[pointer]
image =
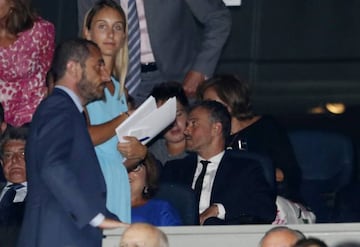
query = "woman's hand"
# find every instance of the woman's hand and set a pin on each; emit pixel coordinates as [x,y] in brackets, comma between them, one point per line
[132,149]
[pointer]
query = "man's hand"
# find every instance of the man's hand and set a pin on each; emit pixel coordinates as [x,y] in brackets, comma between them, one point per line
[192,80]
[111,224]
[211,211]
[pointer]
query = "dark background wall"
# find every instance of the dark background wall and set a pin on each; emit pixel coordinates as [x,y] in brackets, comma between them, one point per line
[296,53]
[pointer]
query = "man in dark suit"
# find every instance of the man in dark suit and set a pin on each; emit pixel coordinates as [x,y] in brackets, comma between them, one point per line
[231,188]
[181,40]
[13,191]
[66,189]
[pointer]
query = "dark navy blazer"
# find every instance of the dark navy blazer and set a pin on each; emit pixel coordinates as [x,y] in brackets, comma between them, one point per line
[66,188]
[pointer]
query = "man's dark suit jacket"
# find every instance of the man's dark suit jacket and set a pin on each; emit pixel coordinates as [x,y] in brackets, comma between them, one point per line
[239,186]
[10,222]
[66,188]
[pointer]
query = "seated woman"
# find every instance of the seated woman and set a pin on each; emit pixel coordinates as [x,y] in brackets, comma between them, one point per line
[255,133]
[171,145]
[143,178]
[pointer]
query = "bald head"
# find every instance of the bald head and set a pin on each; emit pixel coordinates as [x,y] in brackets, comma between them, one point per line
[280,237]
[143,235]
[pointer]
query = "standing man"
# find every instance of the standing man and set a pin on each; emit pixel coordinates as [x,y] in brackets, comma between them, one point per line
[230,187]
[66,189]
[181,40]
[13,192]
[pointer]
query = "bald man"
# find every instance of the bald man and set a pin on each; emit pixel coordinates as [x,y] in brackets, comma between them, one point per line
[145,235]
[281,236]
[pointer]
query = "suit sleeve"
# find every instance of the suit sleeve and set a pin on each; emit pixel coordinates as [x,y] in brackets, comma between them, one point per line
[216,21]
[56,165]
[253,201]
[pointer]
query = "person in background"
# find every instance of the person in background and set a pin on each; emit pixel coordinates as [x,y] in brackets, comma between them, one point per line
[171,144]
[310,242]
[3,123]
[26,50]
[198,31]
[66,201]
[230,188]
[3,127]
[145,235]
[255,133]
[13,191]
[143,178]
[281,236]
[105,24]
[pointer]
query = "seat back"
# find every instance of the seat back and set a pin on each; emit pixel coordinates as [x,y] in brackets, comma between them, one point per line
[182,199]
[266,165]
[326,160]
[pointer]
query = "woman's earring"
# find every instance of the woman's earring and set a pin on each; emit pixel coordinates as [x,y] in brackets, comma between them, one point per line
[146,190]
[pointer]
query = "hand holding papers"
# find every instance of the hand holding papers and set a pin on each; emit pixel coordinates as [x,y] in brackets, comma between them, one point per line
[148,120]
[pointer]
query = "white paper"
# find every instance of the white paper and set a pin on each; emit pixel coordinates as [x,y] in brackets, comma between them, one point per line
[148,120]
[232,2]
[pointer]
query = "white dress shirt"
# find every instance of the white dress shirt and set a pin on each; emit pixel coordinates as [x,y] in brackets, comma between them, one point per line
[208,183]
[20,193]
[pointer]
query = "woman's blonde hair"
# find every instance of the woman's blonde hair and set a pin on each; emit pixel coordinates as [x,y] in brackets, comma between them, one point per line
[121,58]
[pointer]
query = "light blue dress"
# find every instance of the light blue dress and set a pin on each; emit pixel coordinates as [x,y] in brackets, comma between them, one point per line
[111,161]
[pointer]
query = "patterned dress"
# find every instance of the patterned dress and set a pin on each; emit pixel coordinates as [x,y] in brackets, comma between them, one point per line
[23,68]
[110,159]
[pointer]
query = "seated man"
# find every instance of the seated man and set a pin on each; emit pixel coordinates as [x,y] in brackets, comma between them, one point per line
[230,187]
[13,192]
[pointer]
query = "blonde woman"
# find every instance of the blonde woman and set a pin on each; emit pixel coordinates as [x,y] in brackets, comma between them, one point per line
[105,25]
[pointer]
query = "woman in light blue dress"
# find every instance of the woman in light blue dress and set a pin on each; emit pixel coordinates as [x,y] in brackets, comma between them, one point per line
[105,25]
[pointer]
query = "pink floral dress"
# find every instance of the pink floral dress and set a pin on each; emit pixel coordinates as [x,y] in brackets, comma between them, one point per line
[23,68]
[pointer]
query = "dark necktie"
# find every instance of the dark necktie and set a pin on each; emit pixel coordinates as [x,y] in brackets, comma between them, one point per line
[200,179]
[9,195]
[133,77]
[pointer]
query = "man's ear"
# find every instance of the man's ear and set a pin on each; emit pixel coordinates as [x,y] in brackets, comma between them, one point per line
[217,128]
[74,69]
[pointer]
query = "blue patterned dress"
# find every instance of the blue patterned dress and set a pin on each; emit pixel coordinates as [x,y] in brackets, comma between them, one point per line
[111,161]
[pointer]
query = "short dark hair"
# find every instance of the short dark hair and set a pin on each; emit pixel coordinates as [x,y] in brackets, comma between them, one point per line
[166,90]
[233,91]
[152,175]
[21,16]
[13,133]
[309,242]
[77,50]
[218,114]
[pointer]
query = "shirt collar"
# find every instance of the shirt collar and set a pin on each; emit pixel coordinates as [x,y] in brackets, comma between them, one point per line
[215,159]
[9,183]
[73,96]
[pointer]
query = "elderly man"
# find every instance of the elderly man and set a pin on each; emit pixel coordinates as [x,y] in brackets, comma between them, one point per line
[67,192]
[145,235]
[281,236]
[229,186]
[13,192]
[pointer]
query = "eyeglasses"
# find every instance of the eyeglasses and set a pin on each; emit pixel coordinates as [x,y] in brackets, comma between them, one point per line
[8,155]
[137,168]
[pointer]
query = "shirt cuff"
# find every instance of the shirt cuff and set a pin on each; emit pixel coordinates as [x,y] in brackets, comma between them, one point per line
[97,220]
[222,212]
